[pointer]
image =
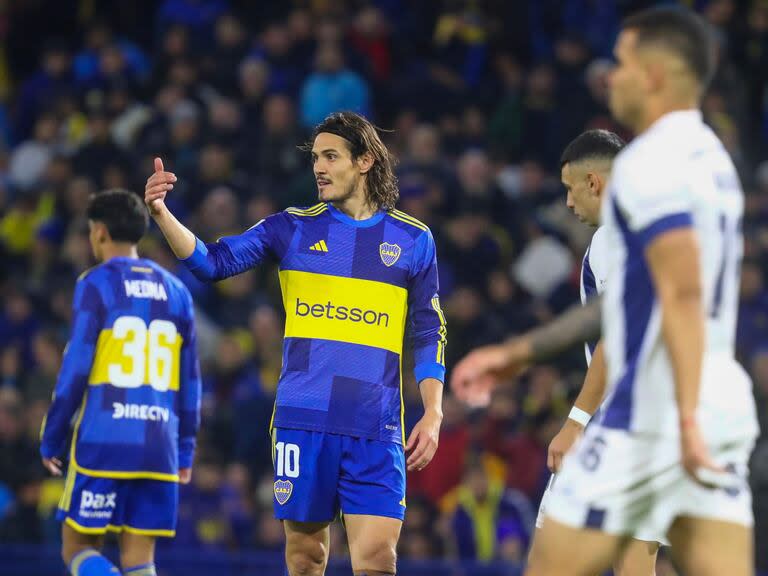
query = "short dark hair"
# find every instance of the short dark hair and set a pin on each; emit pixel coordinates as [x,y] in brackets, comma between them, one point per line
[363,137]
[122,212]
[592,144]
[680,30]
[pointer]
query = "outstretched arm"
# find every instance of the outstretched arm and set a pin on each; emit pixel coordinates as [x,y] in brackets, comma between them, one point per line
[475,377]
[179,237]
[229,256]
[577,324]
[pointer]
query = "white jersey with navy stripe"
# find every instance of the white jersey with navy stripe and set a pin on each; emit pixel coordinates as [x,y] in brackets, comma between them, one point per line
[676,174]
[593,276]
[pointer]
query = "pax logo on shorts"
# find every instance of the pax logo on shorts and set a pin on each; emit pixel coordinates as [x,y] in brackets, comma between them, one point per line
[97,506]
[283,490]
[91,501]
[389,253]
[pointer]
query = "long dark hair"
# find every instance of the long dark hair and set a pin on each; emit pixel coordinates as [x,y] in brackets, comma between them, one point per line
[363,137]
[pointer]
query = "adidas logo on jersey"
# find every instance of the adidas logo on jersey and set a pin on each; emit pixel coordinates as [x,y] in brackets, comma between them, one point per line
[320,246]
[145,289]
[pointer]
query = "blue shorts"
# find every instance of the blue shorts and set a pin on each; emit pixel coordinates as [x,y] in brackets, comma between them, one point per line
[93,505]
[317,474]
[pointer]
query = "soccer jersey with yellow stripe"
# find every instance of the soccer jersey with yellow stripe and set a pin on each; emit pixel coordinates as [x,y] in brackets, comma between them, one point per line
[130,373]
[350,288]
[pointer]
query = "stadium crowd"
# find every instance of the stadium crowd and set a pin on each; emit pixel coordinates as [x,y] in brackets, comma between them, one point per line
[478,97]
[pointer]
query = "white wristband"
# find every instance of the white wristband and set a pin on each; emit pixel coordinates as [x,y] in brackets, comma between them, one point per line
[580,416]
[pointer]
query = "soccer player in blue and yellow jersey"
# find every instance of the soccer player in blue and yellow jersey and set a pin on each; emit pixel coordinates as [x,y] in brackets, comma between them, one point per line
[131,375]
[353,272]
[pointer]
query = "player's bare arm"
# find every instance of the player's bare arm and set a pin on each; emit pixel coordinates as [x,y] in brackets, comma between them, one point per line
[673,260]
[424,438]
[475,377]
[577,324]
[588,401]
[179,237]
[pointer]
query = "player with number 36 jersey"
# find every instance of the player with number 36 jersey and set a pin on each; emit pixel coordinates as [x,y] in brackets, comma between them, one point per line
[130,382]
[132,348]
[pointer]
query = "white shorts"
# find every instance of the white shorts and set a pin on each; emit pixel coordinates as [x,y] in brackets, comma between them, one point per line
[640,535]
[631,484]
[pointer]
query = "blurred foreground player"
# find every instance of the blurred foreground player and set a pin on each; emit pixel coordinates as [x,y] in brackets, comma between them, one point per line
[353,271]
[670,452]
[131,374]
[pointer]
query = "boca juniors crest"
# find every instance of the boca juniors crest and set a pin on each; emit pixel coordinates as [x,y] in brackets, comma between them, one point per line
[283,491]
[389,253]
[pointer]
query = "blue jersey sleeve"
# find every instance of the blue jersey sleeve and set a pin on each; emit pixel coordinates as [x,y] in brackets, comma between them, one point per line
[189,392]
[233,255]
[425,317]
[87,320]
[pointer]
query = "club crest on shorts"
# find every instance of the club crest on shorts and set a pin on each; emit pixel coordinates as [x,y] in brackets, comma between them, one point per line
[389,253]
[283,490]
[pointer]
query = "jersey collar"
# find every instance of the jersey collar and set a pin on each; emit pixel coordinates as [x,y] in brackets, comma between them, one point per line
[367,223]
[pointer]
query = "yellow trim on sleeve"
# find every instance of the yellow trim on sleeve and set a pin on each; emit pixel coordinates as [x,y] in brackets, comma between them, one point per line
[443,332]
[86,272]
[410,219]
[402,404]
[412,223]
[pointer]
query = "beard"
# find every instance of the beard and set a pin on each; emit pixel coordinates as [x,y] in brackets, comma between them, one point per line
[341,196]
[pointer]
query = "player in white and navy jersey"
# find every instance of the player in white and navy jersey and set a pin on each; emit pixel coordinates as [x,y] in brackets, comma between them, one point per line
[670,452]
[585,167]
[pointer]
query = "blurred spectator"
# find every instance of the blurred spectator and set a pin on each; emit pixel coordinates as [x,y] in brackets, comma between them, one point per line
[490,521]
[100,151]
[103,56]
[204,519]
[225,122]
[277,161]
[753,311]
[216,167]
[36,385]
[370,36]
[199,15]
[54,78]
[18,325]
[230,46]
[30,159]
[332,87]
[275,46]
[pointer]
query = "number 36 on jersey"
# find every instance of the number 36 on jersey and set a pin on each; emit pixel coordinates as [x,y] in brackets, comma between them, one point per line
[132,354]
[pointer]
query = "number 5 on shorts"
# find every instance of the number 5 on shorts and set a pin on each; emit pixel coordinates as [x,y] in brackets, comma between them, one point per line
[286,460]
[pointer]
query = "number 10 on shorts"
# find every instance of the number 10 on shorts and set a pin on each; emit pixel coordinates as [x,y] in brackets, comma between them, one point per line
[286,460]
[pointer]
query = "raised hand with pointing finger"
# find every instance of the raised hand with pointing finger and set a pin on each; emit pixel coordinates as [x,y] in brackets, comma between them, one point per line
[180,239]
[157,187]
